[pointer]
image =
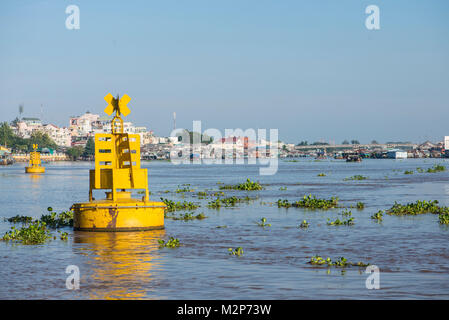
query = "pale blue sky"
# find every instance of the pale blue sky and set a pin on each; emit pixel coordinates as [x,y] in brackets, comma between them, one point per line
[309,68]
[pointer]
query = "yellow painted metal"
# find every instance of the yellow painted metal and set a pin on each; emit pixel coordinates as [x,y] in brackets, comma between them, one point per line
[117,167]
[35,165]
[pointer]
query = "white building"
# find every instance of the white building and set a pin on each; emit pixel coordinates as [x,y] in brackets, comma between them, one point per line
[61,136]
[446,143]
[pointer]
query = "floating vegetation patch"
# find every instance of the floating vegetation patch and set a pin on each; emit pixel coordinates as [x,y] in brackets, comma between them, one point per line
[221,227]
[170,243]
[321,174]
[340,262]
[338,222]
[180,205]
[356,177]
[346,213]
[310,202]
[188,216]
[19,219]
[263,223]
[304,225]
[247,186]
[58,220]
[436,168]
[378,216]
[408,172]
[419,207]
[35,232]
[420,170]
[360,205]
[283,188]
[184,188]
[443,218]
[227,202]
[236,252]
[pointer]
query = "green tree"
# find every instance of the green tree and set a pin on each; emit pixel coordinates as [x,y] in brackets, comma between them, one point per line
[89,149]
[42,139]
[6,134]
[75,152]
[355,141]
[303,143]
[345,142]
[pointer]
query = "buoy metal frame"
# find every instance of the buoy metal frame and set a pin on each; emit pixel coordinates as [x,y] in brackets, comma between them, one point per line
[35,162]
[117,167]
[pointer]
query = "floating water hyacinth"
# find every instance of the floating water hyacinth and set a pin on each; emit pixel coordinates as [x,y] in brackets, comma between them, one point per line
[236,252]
[340,262]
[247,186]
[263,223]
[170,243]
[419,207]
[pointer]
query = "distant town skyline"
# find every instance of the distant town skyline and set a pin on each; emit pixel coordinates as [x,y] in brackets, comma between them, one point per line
[310,69]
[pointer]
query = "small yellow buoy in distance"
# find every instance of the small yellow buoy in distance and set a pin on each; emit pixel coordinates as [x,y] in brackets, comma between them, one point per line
[35,162]
[117,169]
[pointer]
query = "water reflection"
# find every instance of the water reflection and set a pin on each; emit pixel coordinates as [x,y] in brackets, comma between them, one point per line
[120,265]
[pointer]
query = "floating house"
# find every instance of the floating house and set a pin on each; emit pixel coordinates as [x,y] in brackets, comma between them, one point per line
[396,154]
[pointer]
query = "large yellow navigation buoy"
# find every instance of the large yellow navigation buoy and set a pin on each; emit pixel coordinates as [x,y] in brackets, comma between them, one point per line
[117,168]
[35,162]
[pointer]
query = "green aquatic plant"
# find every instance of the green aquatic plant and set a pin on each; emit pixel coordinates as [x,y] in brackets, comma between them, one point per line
[186,188]
[338,222]
[283,203]
[443,218]
[360,205]
[247,186]
[188,216]
[283,188]
[420,170]
[312,202]
[170,243]
[19,219]
[419,207]
[63,235]
[321,174]
[304,225]
[356,177]
[346,213]
[35,232]
[221,227]
[227,202]
[378,215]
[408,172]
[309,202]
[57,220]
[236,252]
[175,206]
[340,262]
[436,168]
[263,223]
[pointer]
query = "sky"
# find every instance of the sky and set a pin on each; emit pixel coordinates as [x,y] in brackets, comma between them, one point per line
[310,69]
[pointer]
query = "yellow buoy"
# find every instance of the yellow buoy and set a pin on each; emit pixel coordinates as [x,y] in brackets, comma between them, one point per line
[117,168]
[35,162]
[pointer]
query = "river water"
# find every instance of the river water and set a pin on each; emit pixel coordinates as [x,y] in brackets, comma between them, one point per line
[411,252]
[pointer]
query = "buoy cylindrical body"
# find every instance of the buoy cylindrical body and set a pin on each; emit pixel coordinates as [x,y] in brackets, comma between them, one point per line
[35,169]
[123,214]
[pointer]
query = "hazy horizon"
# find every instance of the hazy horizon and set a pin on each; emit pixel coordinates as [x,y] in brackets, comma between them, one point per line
[310,69]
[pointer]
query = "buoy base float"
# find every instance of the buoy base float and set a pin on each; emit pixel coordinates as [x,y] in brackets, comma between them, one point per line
[35,162]
[117,168]
[35,169]
[123,214]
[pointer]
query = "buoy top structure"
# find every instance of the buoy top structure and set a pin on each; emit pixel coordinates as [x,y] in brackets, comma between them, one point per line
[117,169]
[35,162]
